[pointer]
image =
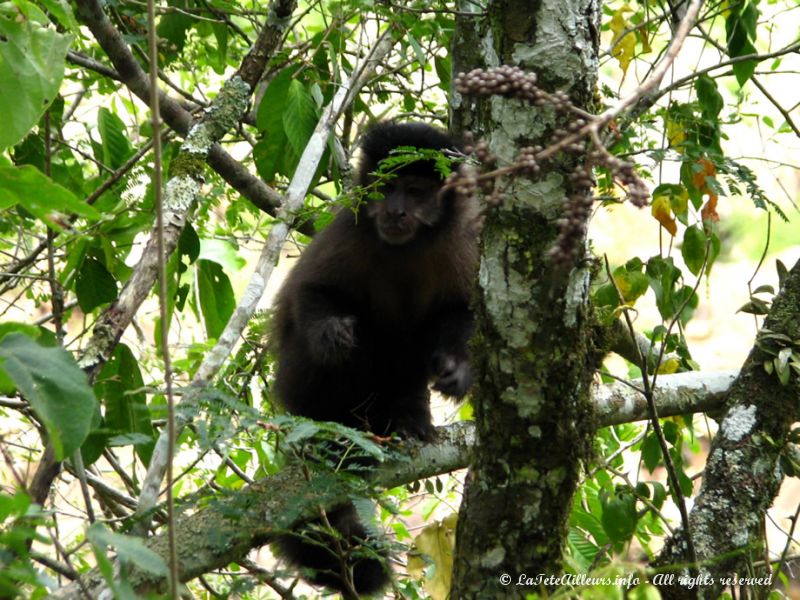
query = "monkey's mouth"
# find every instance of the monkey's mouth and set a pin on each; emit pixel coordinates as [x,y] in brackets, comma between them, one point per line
[395,233]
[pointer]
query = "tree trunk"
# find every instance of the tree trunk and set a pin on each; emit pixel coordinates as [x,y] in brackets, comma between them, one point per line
[532,343]
[746,465]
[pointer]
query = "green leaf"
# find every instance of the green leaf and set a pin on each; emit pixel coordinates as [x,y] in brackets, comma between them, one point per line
[659,494]
[740,29]
[300,116]
[62,12]
[7,386]
[287,116]
[693,248]
[39,195]
[189,243]
[94,285]
[56,388]
[129,548]
[121,389]
[172,28]
[619,516]
[216,296]
[302,431]
[31,69]
[663,274]
[651,452]
[708,96]
[116,147]
[273,150]
[444,68]
[222,252]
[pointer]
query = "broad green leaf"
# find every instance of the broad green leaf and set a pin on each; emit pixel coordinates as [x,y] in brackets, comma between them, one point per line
[172,28]
[216,296]
[7,386]
[444,68]
[693,248]
[28,187]
[120,388]
[31,68]
[189,243]
[54,385]
[62,11]
[129,548]
[708,96]
[274,154]
[619,516]
[300,116]
[631,284]
[740,28]
[39,195]
[663,275]
[94,286]
[271,107]
[651,452]
[116,147]
[268,155]
[222,252]
[218,52]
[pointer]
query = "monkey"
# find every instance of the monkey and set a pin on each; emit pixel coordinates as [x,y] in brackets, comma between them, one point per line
[377,309]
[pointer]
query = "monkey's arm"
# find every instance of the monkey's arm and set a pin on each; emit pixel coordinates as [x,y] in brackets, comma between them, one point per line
[449,331]
[326,317]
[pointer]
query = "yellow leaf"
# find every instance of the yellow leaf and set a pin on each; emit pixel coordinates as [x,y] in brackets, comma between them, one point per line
[436,541]
[669,366]
[645,39]
[624,46]
[676,135]
[662,212]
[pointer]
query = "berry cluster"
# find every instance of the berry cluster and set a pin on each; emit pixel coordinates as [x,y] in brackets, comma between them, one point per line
[503,81]
[575,217]
[576,138]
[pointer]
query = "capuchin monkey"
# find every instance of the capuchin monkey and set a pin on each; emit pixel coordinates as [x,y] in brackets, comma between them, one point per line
[375,311]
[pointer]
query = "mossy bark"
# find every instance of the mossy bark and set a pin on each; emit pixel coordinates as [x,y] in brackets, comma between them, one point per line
[743,473]
[532,345]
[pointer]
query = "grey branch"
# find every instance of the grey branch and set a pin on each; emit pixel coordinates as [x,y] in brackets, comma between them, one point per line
[295,196]
[743,472]
[228,527]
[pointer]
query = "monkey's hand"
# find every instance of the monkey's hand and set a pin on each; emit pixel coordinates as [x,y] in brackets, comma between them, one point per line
[414,428]
[451,374]
[332,339]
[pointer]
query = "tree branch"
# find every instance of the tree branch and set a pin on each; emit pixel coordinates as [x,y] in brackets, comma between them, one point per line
[743,472]
[227,528]
[131,73]
[230,526]
[295,195]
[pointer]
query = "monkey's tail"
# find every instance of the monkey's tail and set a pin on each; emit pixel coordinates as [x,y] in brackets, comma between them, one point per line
[341,560]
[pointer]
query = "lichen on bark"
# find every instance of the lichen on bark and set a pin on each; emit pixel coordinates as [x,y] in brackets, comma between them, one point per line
[532,348]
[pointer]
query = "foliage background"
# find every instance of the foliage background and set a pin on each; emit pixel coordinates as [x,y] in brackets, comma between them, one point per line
[53,163]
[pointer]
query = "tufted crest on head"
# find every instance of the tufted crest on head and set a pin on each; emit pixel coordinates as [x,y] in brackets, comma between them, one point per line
[380,139]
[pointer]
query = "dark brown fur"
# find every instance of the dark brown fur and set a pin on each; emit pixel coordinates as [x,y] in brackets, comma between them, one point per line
[377,308]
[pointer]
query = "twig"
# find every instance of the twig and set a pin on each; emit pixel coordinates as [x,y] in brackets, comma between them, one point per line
[158,197]
[295,195]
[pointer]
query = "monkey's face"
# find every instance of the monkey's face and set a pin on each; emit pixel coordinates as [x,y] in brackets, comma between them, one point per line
[410,204]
